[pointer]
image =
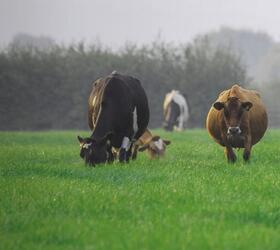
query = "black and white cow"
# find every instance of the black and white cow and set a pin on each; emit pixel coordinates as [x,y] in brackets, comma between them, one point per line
[118,115]
[176,111]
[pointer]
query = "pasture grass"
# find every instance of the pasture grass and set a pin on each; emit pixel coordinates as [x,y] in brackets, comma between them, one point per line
[191,199]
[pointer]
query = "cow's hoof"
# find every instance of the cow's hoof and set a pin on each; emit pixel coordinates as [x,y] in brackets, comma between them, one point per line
[232,159]
[246,156]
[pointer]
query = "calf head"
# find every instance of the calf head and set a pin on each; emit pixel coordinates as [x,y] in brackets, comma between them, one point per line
[94,151]
[233,112]
[171,116]
[155,147]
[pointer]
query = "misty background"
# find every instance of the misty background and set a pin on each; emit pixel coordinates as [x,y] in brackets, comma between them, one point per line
[52,51]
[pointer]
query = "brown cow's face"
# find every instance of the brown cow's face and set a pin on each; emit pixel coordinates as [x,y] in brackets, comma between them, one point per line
[92,151]
[156,147]
[233,111]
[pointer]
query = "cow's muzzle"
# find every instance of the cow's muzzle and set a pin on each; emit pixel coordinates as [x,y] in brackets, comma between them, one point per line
[234,131]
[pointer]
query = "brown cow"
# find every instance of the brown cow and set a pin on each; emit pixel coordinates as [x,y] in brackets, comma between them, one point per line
[154,145]
[238,119]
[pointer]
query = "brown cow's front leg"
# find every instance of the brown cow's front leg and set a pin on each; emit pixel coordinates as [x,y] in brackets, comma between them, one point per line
[231,157]
[247,148]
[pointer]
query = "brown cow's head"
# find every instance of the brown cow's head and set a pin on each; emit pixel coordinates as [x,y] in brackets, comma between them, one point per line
[93,151]
[155,147]
[233,110]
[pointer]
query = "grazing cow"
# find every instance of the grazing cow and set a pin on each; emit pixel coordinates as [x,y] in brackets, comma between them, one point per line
[118,115]
[238,119]
[175,110]
[154,145]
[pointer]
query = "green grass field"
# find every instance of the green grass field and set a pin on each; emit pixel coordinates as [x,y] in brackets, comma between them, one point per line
[192,199]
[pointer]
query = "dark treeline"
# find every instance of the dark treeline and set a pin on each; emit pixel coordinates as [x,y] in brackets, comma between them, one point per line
[48,89]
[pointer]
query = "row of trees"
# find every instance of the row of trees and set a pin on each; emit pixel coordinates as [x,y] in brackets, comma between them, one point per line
[48,89]
[268,82]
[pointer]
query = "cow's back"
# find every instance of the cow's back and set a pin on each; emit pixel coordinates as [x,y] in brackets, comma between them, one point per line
[257,115]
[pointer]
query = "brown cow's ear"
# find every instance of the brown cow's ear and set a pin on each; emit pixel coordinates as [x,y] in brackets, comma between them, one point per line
[219,105]
[143,148]
[80,139]
[166,142]
[247,105]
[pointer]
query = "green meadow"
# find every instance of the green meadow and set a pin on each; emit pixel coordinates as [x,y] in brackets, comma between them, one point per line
[191,199]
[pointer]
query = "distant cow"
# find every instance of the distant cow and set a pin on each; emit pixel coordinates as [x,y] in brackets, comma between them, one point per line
[175,110]
[154,145]
[118,115]
[238,119]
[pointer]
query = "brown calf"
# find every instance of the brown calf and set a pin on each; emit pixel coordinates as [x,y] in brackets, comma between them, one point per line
[154,145]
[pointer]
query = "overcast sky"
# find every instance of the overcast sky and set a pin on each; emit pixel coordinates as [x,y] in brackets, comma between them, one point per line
[115,21]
